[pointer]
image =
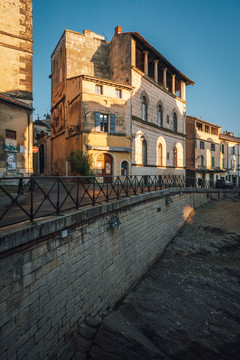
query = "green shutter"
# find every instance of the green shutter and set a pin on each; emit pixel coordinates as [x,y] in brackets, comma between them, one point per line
[97,121]
[112,123]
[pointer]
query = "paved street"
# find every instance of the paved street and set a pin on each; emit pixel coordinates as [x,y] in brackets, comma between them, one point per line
[187,305]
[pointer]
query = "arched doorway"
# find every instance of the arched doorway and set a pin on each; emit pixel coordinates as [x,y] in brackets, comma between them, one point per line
[105,167]
[41,159]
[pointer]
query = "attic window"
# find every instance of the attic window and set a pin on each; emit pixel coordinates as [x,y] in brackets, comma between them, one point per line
[98,90]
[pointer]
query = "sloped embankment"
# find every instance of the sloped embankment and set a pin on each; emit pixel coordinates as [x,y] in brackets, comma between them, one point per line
[187,306]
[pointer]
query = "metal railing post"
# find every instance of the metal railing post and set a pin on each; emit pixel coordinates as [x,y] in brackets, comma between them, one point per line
[58,209]
[31,204]
[93,198]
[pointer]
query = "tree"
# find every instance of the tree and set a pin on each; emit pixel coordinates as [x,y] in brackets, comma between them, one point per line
[80,163]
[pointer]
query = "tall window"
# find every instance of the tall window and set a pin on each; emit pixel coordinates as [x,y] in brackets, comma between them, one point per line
[175,122]
[233,150]
[103,123]
[144,108]
[222,148]
[160,117]
[160,155]
[223,163]
[118,93]
[213,162]
[175,156]
[124,168]
[212,147]
[201,144]
[144,152]
[202,160]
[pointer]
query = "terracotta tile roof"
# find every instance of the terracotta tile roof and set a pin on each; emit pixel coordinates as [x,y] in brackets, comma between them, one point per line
[160,56]
[11,100]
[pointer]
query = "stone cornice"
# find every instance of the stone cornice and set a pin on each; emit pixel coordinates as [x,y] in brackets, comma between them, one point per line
[103,82]
[146,123]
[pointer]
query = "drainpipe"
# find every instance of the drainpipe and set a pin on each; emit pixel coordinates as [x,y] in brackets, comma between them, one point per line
[29,137]
[131,134]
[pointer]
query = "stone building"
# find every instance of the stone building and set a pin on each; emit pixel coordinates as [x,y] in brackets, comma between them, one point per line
[231,145]
[121,101]
[206,153]
[16,87]
[90,111]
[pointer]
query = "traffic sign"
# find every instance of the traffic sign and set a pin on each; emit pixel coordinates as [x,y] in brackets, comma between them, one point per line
[35,149]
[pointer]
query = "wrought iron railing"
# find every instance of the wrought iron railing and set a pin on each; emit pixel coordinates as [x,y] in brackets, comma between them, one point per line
[29,198]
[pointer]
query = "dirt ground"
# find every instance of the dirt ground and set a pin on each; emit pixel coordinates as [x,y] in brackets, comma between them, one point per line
[187,306]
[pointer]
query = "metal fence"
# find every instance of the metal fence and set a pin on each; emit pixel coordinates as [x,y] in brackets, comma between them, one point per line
[29,198]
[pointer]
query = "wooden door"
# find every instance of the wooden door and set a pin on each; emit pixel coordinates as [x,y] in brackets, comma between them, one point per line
[105,167]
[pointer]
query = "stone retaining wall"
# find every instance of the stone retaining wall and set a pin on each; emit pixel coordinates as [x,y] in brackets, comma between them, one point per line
[62,272]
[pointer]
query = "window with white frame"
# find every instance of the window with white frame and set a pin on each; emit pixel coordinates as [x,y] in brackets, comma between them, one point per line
[118,93]
[99,90]
[144,108]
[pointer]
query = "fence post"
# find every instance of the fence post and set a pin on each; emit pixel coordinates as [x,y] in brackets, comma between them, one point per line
[77,202]
[31,204]
[58,210]
[93,198]
[107,189]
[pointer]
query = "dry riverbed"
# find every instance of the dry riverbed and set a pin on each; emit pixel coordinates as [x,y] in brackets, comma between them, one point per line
[187,306]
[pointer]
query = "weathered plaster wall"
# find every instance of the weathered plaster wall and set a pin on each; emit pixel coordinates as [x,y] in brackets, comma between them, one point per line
[8,115]
[58,271]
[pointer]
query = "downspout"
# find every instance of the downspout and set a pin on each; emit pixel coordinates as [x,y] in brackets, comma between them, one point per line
[29,137]
[131,134]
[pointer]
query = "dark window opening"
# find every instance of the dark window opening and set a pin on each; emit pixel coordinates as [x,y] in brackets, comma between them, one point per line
[11,134]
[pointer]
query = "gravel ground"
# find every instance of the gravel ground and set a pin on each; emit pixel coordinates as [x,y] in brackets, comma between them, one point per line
[187,306]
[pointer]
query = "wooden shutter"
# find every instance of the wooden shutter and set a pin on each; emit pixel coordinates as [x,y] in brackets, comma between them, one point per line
[97,121]
[112,123]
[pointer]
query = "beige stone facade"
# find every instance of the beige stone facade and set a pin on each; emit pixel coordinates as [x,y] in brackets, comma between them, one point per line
[91,76]
[232,156]
[206,153]
[16,87]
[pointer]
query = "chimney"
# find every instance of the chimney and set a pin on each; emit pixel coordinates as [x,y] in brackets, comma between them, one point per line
[118,30]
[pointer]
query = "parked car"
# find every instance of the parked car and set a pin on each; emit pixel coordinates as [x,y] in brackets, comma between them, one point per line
[223,184]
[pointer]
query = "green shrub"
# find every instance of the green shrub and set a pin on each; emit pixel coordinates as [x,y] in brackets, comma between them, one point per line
[81,163]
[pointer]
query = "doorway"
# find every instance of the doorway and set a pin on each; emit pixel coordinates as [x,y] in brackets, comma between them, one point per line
[105,167]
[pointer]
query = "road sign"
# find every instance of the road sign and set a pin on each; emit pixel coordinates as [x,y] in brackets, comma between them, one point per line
[35,149]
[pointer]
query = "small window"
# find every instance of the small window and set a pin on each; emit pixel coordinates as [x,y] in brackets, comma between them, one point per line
[160,115]
[11,134]
[175,122]
[213,162]
[118,93]
[199,126]
[201,144]
[207,129]
[103,123]
[99,90]
[212,147]
[168,119]
[168,156]
[233,150]
[144,108]
[222,148]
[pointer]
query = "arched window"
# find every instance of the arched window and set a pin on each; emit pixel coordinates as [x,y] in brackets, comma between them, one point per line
[160,117]
[144,152]
[124,168]
[144,108]
[160,155]
[175,156]
[174,122]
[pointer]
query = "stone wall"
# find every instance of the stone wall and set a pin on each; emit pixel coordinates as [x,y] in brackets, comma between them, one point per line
[16,48]
[62,270]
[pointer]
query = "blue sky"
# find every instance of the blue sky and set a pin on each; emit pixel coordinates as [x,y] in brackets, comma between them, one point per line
[201,38]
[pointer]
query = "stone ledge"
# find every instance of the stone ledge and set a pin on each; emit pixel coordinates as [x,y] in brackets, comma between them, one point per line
[19,235]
